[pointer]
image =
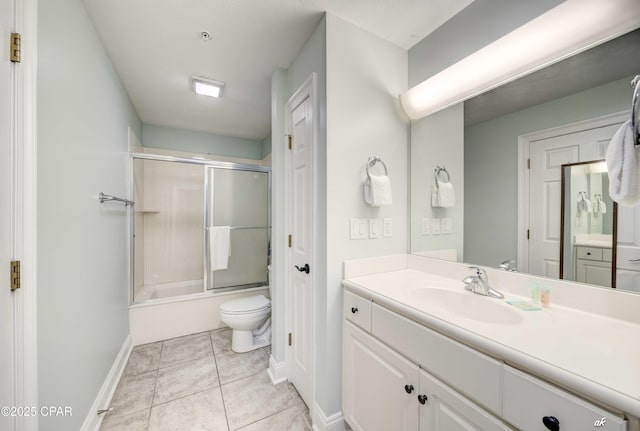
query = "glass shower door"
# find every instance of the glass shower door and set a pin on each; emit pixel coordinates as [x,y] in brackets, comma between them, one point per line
[238,199]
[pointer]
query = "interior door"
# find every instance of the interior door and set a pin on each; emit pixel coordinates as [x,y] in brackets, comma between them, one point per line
[7,318]
[300,278]
[547,157]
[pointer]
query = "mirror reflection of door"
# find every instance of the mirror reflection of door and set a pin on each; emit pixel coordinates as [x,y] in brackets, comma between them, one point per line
[588,225]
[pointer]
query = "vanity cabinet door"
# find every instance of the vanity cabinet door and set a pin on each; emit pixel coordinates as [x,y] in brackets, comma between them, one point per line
[445,409]
[531,404]
[379,386]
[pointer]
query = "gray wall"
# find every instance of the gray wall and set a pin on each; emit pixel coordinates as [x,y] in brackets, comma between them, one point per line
[363,119]
[83,115]
[476,26]
[170,138]
[491,171]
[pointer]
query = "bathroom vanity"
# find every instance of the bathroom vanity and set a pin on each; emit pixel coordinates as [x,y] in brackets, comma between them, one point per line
[421,353]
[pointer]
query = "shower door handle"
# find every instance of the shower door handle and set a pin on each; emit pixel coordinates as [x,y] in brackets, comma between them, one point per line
[305,268]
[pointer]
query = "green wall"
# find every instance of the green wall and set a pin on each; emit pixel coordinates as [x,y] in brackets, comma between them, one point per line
[83,117]
[491,166]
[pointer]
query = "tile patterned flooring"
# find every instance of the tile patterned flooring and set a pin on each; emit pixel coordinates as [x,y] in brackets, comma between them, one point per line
[198,383]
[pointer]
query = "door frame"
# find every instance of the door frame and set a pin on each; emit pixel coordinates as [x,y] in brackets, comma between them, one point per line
[24,203]
[307,90]
[524,146]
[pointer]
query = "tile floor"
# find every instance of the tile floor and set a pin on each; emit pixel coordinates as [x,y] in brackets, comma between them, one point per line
[198,383]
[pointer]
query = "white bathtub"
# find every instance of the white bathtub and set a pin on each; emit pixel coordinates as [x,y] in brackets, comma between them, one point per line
[169,290]
[175,316]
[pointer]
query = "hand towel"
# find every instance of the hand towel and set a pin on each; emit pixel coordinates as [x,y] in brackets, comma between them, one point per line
[443,195]
[623,165]
[219,247]
[377,190]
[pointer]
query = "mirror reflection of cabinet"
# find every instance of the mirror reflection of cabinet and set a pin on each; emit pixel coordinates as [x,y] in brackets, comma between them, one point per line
[588,225]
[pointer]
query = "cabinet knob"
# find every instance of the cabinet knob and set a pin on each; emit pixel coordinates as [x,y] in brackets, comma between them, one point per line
[408,388]
[422,399]
[354,310]
[551,423]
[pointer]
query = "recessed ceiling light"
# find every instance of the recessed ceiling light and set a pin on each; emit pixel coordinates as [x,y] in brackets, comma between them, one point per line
[207,87]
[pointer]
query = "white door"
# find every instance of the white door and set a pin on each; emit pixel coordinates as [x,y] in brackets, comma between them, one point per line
[7,322]
[547,156]
[380,387]
[300,256]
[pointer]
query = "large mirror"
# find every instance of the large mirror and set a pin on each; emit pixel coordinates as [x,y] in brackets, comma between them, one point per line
[505,150]
[588,223]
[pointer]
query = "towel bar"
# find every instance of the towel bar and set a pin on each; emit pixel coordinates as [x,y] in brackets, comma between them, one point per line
[441,170]
[634,108]
[104,198]
[372,162]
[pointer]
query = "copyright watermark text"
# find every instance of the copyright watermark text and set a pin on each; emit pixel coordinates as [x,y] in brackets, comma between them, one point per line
[47,411]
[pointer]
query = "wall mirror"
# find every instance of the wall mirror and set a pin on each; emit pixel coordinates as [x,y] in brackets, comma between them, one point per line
[560,115]
[588,224]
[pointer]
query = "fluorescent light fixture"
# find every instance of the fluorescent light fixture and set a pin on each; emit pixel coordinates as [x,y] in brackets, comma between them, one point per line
[207,87]
[571,27]
[597,168]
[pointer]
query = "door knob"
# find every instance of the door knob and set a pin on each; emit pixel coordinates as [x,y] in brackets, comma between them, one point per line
[305,268]
[551,423]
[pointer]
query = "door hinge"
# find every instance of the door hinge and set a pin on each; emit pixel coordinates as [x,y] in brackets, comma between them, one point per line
[528,163]
[290,240]
[15,52]
[290,338]
[528,233]
[289,140]
[15,275]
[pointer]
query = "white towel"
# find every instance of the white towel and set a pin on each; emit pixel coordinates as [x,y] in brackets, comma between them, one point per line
[623,165]
[377,190]
[443,195]
[219,247]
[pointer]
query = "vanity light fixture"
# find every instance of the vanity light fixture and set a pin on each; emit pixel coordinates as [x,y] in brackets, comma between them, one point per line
[207,87]
[571,27]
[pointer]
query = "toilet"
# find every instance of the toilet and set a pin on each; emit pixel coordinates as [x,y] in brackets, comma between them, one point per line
[250,319]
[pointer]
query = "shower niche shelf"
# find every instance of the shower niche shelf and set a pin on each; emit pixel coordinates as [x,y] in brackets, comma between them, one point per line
[147,211]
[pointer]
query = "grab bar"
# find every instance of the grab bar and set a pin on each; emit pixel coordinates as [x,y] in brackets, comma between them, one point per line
[634,108]
[104,198]
[245,227]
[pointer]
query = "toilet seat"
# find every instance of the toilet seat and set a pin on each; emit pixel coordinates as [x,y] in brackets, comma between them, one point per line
[250,304]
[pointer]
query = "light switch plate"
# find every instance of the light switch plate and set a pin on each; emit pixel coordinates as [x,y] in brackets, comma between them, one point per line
[447,225]
[387,228]
[426,226]
[436,226]
[374,228]
[358,228]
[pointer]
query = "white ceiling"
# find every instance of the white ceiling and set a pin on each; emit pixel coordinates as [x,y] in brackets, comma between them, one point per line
[156,47]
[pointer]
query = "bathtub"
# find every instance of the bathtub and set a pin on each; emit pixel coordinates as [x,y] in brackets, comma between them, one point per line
[169,290]
[169,316]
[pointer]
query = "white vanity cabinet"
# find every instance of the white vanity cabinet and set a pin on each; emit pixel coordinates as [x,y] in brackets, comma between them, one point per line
[379,386]
[593,265]
[401,375]
[384,391]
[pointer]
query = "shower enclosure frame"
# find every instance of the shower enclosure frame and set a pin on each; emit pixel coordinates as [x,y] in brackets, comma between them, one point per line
[208,208]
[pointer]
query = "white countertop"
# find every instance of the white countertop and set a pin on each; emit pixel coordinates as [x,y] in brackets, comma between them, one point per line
[595,356]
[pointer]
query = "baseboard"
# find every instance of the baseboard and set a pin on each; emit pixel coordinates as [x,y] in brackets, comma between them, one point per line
[92,422]
[277,371]
[322,422]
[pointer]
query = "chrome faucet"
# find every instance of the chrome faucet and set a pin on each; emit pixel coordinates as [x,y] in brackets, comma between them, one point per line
[479,284]
[509,265]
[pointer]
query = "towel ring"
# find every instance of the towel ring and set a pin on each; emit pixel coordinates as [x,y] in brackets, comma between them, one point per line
[441,170]
[373,160]
[634,109]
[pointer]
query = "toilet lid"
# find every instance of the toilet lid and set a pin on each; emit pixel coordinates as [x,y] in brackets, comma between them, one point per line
[246,305]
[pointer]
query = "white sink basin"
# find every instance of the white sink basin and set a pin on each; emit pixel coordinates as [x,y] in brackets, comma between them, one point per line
[468,305]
